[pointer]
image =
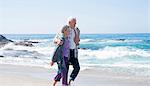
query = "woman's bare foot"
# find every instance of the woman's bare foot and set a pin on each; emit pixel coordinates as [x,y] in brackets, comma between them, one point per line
[54,83]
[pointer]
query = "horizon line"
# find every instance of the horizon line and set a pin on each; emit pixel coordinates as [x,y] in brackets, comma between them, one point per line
[56,33]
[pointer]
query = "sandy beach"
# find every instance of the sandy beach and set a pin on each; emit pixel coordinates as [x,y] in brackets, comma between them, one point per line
[108,40]
[12,75]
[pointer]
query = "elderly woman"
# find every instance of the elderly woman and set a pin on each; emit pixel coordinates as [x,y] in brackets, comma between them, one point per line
[60,56]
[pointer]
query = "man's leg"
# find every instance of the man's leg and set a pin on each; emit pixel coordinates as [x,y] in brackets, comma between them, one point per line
[75,63]
[76,69]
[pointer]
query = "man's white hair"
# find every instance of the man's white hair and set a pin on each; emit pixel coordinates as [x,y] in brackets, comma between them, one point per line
[70,18]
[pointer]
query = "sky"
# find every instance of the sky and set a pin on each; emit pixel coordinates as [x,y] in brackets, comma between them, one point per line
[93,16]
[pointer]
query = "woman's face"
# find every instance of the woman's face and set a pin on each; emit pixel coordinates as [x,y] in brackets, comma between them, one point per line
[66,32]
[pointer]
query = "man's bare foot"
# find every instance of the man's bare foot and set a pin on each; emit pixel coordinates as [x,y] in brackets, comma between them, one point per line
[54,83]
[69,82]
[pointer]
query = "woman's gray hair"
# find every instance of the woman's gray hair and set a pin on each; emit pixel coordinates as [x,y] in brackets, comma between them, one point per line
[64,28]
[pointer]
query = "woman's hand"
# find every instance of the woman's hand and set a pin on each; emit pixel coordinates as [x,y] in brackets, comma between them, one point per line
[58,42]
[52,63]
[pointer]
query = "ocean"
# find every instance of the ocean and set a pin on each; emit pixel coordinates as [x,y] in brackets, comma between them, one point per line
[127,53]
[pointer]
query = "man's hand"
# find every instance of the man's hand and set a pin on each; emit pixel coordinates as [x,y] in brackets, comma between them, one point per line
[52,63]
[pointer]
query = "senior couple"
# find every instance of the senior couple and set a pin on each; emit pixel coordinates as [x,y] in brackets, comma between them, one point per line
[66,52]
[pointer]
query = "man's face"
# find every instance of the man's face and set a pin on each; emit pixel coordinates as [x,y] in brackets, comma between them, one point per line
[72,23]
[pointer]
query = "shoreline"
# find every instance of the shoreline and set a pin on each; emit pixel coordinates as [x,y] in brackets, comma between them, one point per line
[16,75]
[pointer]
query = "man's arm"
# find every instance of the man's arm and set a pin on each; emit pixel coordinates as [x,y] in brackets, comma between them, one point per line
[59,36]
[58,39]
[77,38]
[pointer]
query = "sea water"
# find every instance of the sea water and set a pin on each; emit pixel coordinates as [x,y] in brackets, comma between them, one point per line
[128,53]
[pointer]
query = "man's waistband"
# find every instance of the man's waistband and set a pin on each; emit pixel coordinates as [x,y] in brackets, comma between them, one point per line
[72,49]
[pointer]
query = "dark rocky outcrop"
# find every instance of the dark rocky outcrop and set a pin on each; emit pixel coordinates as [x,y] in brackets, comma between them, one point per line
[32,41]
[4,40]
[24,44]
[121,39]
[1,56]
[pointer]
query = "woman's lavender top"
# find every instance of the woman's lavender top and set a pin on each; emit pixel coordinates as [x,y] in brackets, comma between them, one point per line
[66,47]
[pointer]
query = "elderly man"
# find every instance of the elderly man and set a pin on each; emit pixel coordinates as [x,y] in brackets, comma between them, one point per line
[74,38]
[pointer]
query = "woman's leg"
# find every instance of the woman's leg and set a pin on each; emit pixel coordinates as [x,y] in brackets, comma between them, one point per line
[62,73]
[65,72]
[57,77]
[54,83]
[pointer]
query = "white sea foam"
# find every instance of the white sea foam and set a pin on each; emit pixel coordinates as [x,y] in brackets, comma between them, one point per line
[85,40]
[26,56]
[113,52]
[110,40]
